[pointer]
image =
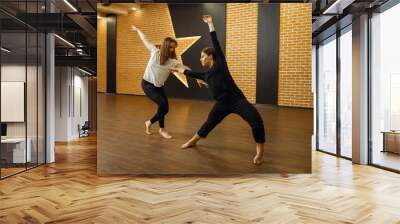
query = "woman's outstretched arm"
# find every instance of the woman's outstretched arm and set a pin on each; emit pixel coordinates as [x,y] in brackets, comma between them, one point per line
[217,47]
[144,39]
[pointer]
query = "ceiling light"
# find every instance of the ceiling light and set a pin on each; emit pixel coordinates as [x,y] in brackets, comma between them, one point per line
[86,72]
[133,8]
[64,40]
[70,5]
[5,50]
[338,6]
[331,7]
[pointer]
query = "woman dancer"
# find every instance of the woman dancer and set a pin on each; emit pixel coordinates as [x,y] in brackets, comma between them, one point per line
[229,97]
[161,60]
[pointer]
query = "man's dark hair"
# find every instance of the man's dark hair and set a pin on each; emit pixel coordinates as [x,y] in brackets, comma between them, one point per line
[209,51]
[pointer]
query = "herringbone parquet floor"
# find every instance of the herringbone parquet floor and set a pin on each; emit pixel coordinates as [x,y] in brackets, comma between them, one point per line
[69,191]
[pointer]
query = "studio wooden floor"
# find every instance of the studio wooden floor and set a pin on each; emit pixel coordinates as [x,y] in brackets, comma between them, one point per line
[124,148]
[69,191]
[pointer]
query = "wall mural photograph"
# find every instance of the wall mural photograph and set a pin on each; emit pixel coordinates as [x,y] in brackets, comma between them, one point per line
[200,89]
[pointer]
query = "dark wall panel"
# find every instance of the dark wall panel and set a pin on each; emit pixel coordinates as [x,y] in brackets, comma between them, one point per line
[268,54]
[111,53]
[186,19]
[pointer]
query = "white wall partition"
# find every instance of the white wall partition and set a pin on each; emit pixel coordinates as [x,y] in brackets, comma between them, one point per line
[71,102]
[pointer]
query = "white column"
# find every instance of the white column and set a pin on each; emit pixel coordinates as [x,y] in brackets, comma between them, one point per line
[50,94]
[360,90]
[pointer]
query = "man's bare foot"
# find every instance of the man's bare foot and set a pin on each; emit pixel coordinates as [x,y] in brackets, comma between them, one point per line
[192,142]
[164,133]
[259,158]
[147,124]
[188,144]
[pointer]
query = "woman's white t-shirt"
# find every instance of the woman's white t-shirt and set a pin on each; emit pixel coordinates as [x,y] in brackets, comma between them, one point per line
[155,73]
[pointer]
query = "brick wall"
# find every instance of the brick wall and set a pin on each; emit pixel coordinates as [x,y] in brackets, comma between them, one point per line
[155,22]
[241,49]
[132,57]
[102,55]
[295,56]
[241,45]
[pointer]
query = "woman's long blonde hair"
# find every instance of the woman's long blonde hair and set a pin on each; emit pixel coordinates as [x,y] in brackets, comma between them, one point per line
[165,54]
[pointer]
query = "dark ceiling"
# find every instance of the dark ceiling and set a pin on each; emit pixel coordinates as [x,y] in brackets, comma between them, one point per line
[327,22]
[73,20]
